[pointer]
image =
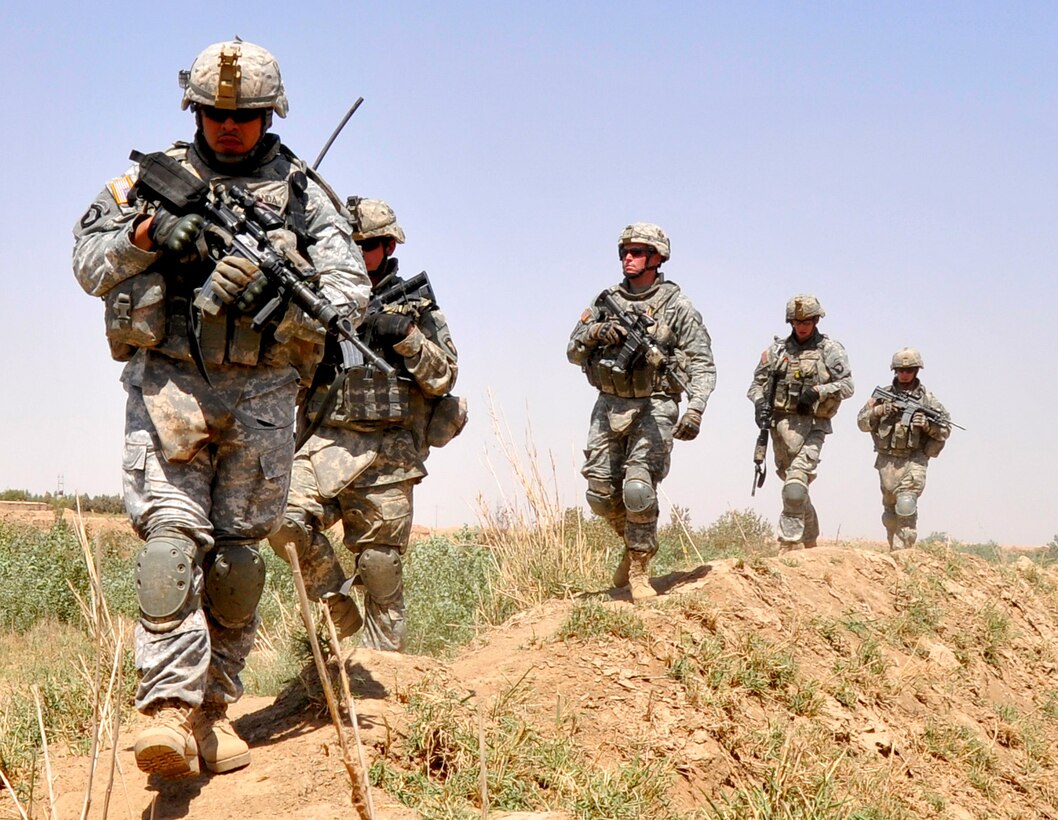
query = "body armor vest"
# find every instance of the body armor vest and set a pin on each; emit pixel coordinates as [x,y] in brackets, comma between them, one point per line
[805,368]
[154,308]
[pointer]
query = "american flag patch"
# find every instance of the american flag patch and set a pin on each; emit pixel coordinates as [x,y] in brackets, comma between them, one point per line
[119,189]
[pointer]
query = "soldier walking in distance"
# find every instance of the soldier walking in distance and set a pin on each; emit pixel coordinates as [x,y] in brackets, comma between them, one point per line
[904,445]
[209,435]
[367,453]
[642,345]
[800,382]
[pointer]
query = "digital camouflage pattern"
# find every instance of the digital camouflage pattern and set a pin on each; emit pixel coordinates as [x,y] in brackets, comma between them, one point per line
[361,470]
[632,437]
[903,454]
[234,74]
[797,438]
[190,467]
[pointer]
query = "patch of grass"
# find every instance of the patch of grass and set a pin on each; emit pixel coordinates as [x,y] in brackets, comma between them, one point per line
[960,746]
[994,632]
[862,675]
[434,768]
[594,621]
[448,592]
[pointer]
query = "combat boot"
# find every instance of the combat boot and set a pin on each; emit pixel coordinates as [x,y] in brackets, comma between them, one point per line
[167,746]
[639,577]
[620,576]
[221,748]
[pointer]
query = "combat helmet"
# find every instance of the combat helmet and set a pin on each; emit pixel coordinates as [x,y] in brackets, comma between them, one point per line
[232,75]
[373,218]
[645,233]
[906,357]
[804,306]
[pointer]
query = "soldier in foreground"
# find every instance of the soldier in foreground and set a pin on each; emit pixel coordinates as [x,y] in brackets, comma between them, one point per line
[909,427]
[211,399]
[372,435]
[642,345]
[797,388]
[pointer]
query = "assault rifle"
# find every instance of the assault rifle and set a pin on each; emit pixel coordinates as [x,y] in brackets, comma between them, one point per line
[909,406]
[639,340]
[416,291]
[244,232]
[760,451]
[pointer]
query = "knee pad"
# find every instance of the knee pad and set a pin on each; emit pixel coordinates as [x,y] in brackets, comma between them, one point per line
[794,496]
[602,499]
[165,580]
[906,504]
[638,495]
[381,572]
[235,578]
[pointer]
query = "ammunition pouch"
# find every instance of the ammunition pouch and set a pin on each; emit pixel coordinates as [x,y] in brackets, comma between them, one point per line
[373,397]
[606,375]
[447,420]
[134,313]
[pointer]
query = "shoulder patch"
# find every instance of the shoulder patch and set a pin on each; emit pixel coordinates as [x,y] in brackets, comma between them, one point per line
[585,317]
[92,215]
[119,189]
[764,357]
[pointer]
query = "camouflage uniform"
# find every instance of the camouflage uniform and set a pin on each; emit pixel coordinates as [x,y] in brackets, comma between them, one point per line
[631,433]
[361,464]
[797,433]
[206,465]
[904,451]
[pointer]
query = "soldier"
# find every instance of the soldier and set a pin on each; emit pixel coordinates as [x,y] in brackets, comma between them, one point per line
[904,449]
[797,388]
[211,400]
[372,434]
[634,419]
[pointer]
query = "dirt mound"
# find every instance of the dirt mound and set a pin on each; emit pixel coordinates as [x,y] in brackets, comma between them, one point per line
[919,684]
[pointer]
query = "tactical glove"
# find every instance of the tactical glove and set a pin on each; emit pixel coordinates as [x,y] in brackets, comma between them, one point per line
[882,409]
[687,427]
[920,422]
[809,396]
[232,276]
[389,328]
[607,333]
[177,235]
[760,413]
[344,611]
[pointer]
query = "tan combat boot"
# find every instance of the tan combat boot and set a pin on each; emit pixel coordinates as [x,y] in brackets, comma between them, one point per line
[167,746]
[620,576]
[221,748]
[639,577]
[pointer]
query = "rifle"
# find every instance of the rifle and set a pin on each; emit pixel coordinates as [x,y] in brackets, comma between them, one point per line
[909,406]
[165,181]
[415,291]
[639,340]
[760,450]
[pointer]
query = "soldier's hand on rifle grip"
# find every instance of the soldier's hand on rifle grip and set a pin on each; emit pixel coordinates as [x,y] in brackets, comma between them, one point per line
[761,411]
[177,235]
[687,427]
[881,409]
[389,328]
[231,276]
[607,333]
[920,422]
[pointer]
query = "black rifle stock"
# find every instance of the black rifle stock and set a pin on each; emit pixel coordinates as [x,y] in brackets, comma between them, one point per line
[909,406]
[244,233]
[760,450]
[639,339]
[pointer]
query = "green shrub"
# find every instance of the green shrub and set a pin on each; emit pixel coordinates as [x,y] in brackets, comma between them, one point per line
[445,584]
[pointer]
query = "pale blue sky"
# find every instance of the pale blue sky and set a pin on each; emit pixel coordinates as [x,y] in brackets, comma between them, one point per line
[895,159]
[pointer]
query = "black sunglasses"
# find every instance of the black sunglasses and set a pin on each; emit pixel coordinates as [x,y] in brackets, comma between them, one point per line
[635,253]
[372,243]
[239,115]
